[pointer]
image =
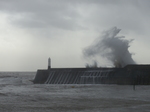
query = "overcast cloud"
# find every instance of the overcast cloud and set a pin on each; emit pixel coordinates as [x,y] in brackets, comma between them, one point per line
[33,30]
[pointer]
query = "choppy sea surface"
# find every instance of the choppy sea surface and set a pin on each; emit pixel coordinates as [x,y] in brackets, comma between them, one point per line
[19,94]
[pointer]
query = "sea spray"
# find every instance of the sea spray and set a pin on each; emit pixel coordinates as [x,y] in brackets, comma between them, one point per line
[112,47]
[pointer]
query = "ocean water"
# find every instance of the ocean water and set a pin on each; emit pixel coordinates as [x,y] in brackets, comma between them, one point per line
[19,94]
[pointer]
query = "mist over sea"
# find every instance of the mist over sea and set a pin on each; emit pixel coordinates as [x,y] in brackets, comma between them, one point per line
[19,94]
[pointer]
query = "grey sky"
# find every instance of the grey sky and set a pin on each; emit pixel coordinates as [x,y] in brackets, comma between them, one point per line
[33,30]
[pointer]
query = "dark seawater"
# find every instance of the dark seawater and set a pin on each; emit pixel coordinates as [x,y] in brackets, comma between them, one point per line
[19,94]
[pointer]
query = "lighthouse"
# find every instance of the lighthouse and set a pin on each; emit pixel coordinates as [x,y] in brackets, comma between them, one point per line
[49,63]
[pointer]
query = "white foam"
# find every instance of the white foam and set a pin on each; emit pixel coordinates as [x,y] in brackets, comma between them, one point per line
[10,80]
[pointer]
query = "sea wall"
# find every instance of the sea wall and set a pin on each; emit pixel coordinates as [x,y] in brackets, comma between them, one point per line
[41,76]
[129,75]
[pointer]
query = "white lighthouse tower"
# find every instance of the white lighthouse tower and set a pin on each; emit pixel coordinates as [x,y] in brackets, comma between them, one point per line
[49,63]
